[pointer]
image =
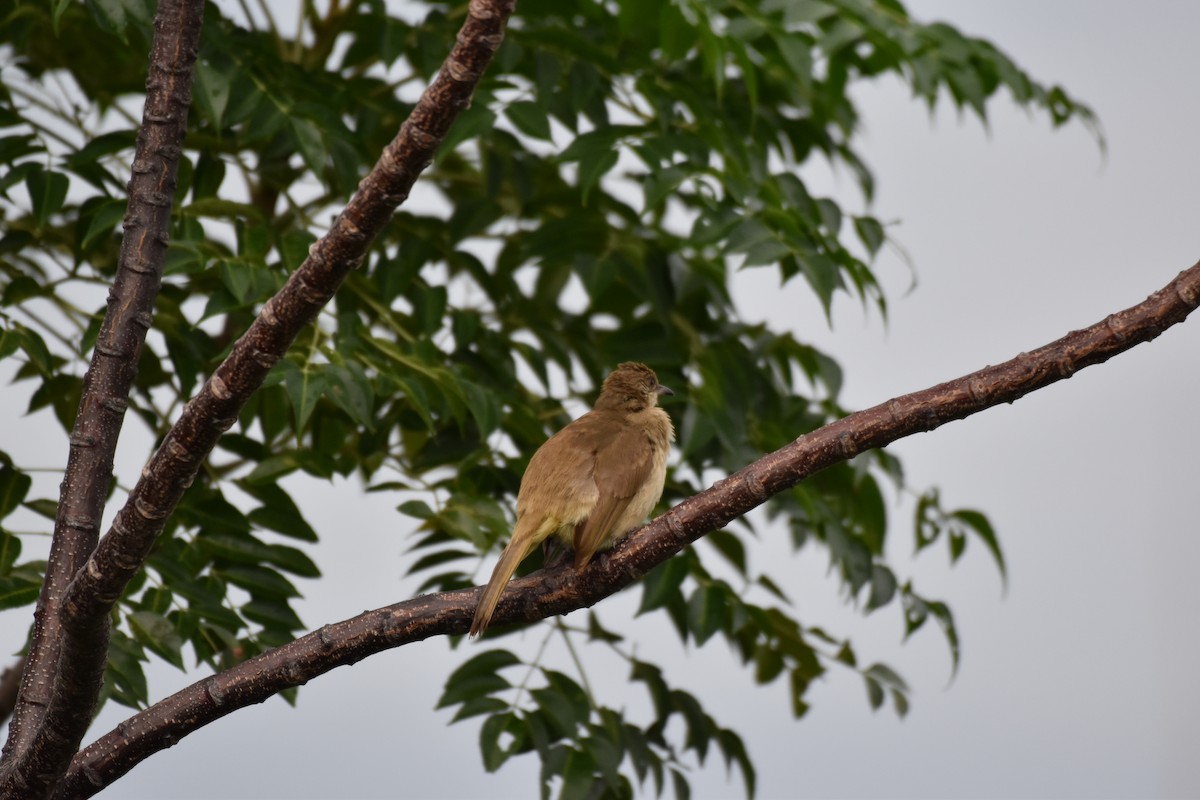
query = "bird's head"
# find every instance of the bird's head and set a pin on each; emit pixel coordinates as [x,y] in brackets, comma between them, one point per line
[631,387]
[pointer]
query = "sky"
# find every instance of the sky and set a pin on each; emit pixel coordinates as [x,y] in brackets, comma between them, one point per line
[1076,681]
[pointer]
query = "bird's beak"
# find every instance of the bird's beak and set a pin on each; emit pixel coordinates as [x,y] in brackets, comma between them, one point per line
[663,390]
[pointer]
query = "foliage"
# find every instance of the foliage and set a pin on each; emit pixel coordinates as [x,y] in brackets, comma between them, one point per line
[620,163]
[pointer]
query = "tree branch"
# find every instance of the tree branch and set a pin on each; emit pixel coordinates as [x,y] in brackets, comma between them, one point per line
[69,696]
[215,408]
[560,590]
[114,361]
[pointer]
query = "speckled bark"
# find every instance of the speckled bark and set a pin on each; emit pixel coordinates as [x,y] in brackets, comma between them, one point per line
[68,696]
[112,370]
[560,590]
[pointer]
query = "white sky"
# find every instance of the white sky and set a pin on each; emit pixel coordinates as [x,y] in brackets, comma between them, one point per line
[1078,683]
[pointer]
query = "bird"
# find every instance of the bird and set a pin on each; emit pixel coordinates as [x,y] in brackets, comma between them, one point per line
[593,481]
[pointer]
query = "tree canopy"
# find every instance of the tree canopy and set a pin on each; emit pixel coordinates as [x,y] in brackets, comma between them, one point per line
[590,203]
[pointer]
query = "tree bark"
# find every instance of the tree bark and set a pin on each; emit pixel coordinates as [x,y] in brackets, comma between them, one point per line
[560,589]
[105,393]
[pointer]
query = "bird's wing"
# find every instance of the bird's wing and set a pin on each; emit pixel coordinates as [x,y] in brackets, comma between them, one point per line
[623,465]
[558,483]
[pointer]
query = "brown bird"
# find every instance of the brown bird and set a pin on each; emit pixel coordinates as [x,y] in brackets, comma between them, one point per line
[591,482]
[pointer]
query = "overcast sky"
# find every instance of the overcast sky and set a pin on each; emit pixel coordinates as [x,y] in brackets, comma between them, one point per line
[1080,682]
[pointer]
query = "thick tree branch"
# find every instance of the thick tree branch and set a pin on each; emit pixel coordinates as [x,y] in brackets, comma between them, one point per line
[95,587]
[560,590]
[215,408]
[114,361]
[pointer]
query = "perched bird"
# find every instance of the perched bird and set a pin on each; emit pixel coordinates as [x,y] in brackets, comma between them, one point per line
[591,482]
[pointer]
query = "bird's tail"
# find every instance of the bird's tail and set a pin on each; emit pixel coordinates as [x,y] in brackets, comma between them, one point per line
[522,543]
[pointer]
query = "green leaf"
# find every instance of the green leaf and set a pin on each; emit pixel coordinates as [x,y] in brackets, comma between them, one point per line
[10,551]
[700,726]
[418,509]
[104,219]
[925,524]
[479,705]
[44,507]
[272,612]
[661,183]
[982,527]
[437,558]
[734,750]
[597,632]
[103,145]
[883,587]
[494,752]
[208,510]
[258,580]
[874,692]
[731,547]
[661,584]
[116,15]
[14,485]
[680,785]
[59,7]
[768,663]
[219,208]
[248,550]
[578,776]
[12,148]
[310,143]
[126,680]
[571,693]
[158,635]
[270,469]
[279,512]
[676,36]
[20,586]
[822,275]
[483,406]
[293,249]
[47,191]
[478,677]
[772,587]
[530,119]
[871,233]
[304,388]
[471,123]
[885,674]
[706,611]
[35,348]
[212,91]
[798,685]
[945,618]
[590,172]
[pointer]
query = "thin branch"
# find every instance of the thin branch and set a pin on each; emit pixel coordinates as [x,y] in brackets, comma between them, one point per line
[560,590]
[65,700]
[114,362]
